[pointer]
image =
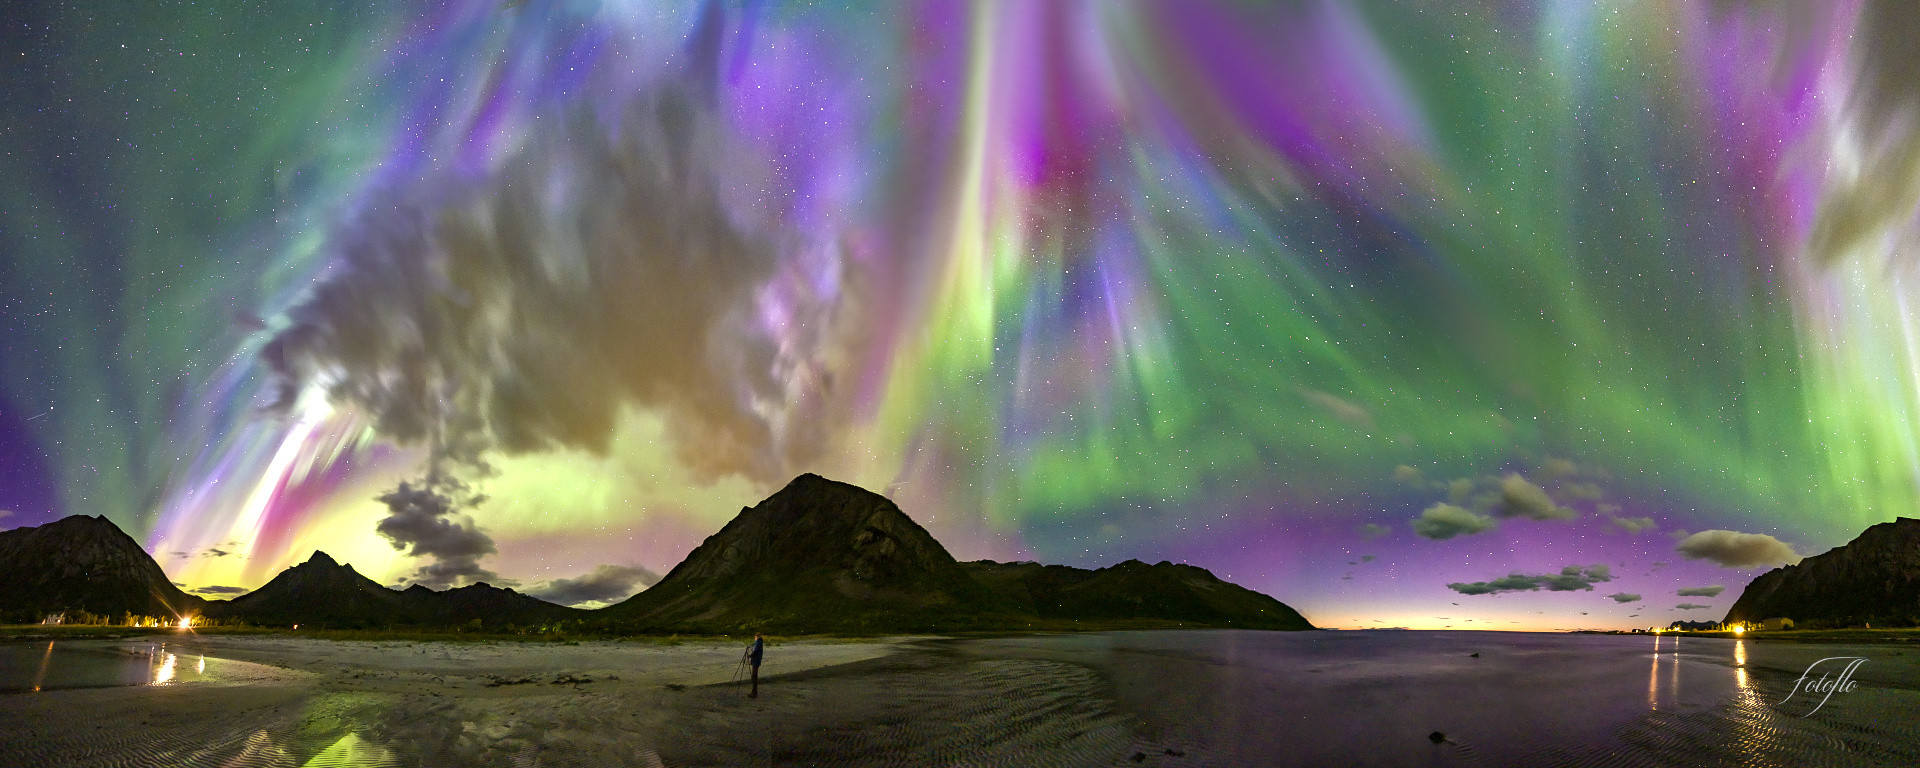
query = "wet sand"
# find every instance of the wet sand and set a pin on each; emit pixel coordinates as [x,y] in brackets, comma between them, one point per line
[1105,699]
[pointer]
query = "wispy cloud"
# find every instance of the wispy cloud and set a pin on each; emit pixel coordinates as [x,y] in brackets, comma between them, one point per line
[1569,579]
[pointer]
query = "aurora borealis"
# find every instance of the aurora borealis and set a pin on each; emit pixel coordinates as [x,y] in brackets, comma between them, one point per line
[1347,302]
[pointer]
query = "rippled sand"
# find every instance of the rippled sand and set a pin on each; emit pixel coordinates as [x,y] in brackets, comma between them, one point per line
[1118,699]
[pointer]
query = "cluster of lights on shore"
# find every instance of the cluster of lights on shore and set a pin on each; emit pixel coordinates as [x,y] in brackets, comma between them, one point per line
[1738,629]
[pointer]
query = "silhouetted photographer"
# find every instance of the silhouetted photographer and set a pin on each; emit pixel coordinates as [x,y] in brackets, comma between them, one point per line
[752,658]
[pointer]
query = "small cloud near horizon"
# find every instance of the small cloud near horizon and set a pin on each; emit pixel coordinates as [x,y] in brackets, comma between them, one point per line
[1732,549]
[1713,591]
[219,590]
[1691,606]
[606,584]
[1624,597]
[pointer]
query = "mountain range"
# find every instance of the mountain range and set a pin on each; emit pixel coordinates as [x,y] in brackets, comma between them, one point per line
[817,556]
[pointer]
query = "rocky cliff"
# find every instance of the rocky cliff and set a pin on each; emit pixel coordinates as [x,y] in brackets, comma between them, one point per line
[1874,579]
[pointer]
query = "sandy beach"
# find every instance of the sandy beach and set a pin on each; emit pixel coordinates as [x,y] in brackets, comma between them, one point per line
[272,701]
[1168,698]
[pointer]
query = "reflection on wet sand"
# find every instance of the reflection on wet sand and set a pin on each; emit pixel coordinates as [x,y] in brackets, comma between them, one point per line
[1653,677]
[162,668]
[1111,699]
[41,676]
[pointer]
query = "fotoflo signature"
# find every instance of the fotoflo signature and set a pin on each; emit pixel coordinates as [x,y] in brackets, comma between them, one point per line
[1828,684]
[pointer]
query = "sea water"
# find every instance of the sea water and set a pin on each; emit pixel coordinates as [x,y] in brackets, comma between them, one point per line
[1325,698]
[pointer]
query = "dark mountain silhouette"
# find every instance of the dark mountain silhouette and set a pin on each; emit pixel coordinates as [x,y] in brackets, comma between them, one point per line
[323,593]
[1135,590]
[82,563]
[818,556]
[319,591]
[1874,579]
[822,556]
[492,605]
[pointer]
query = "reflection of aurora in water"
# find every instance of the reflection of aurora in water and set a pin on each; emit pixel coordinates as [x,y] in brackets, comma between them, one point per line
[1077,282]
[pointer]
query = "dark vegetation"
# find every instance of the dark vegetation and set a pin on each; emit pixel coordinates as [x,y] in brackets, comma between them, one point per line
[817,557]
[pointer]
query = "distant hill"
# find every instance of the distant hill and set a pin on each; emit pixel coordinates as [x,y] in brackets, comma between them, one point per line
[492,605]
[818,556]
[318,591]
[324,593]
[82,563]
[1135,590]
[1874,579]
[826,556]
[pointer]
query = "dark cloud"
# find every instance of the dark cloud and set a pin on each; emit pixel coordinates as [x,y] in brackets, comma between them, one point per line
[600,269]
[1624,597]
[1372,531]
[1368,558]
[1444,521]
[428,518]
[1691,607]
[606,584]
[217,590]
[1737,550]
[1569,579]
[1713,591]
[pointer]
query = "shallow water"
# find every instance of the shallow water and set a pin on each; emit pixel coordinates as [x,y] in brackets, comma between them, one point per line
[55,665]
[1218,698]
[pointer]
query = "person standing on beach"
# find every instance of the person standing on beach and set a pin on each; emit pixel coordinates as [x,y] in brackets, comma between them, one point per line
[753,658]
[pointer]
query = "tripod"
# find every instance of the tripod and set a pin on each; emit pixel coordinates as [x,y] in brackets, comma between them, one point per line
[740,670]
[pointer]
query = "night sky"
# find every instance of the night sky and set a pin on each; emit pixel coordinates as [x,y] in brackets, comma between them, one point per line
[1428,314]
